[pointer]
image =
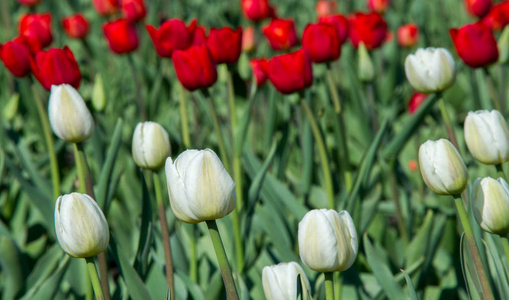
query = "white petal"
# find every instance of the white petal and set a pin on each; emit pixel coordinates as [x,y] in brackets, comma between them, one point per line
[178,198]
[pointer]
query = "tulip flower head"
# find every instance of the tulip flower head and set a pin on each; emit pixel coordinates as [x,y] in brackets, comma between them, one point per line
[292,72]
[56,66]
[36,29]
[133,10]
[200,188]
[491,205]
[325,8]
[408,35]
[29,3]
[105,7]
[281,34]
[379,6]
[371,29]
[225,44]
[498,16]
[430,70]
[82,230]
[415,101]
[475,44]
[15,55]
[321,41]
[478,8]
[121,36]
[255,10]
[172,35]
[341,23]
[442,167]
[248,39]
[327,240]
[195,67]
[280,281]
[76,26]
[151,145]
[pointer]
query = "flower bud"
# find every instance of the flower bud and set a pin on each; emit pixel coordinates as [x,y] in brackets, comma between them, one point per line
[280,282]
[195,67]
[76,26]
[408,35]
[248,39]
[442,167]
[200,188]
[10,109]
[416,101]
[68,114]
[151,145]
[366,70]
[98,94]
[82,230]
[327,240]
[369,28]
[487,136]
[491,205]
[133,10]
[430,70]
[121,36]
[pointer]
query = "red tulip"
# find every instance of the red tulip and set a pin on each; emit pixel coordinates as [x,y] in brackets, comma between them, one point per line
[370,29]
[498,16]
[199,35]
[478,8]
[475,44]
[281,34]
[105,7]
[248,39]
[36,28]
[341,23]
[121,36]
[325,8]
[321,42]
[56,66]
[260,69]
[255,10]
[379,6]
[172,35]
[29,3]
[133,10]
[292,72]
[16,56]
[225,44]
[76,26]
[408,35]
[415,101]
[195,67]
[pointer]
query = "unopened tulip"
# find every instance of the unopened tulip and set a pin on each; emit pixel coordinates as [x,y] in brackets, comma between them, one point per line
[82,230]
[105,7]
[121,36]
[260,70]
[76,26]
[36,29]
[200,188]
[371,29]
[341,23]
[280,282]
[475,44]
[498,16]
[16,57]
[321,41]
[151,145]
[98,93]
[248,39]
[56,66]
[172,35]
[430,70]
[292,72]
[225,44]
[366,70]
[133,10]
[408,35]
[487,136]
[281,34]
[327,240]
[325,8]
[195,67]
[379,6]
[255,10]
[415,101]
[442,167]
[68,114]
[478,8]
[491,205]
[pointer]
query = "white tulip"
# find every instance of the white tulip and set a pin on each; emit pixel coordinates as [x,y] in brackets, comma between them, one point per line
[430,70]
[487,137]
[200,188]
[491,205]
[82,230]
[68,114]
[151,145]
[327,240]
[280,282]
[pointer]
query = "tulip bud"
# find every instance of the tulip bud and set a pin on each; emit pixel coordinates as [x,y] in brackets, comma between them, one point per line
[82,230]
[416,101]
[442,167]
[151,145]
[68,114]
[11,107]
[76,26]
[366,70]
[195,67]
[121,36]
[408,35]
[487,137]
[98,94]
[430,70]
[327,240]
[248,39]
[280,281]
[200,188]
[491,205]
[503,46]
[369,28]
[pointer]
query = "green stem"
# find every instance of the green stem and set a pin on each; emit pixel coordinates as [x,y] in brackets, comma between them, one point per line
[193,257]
[137,86]
[474,250]
[94,278]
[229,284]
[399,213]
[500,171]
[323,153]
[183,114]
[492,90]
[48,138]
[80,169]
[333,90]
[370,99]
[217,129]
[165,235]
[505,244]
[329,285]
[231,101]
[447,122]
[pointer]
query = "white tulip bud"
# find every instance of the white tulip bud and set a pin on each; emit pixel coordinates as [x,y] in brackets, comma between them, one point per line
[327,240]
[491,205]
[487,137]
[430,70]
[151,145]
[280,282]
[442,167]
[200,188]
[366,70]
[82,230]
[68,114]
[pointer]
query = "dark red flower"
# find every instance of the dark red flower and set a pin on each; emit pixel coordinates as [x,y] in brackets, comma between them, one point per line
[379,6]
[478,8]
[195,67]
[475,44]
[498,16]
[415,101]
[370,29]
[36,28]
[105,7]
[29,3]
[255,10]
[199,34]
[76,26]
[248,39]
[16,56]
[121,36]
[408,35]
[172,35]
[321,42]
[260,69]
[133,10]
[281,34]
[225,44]
[56,66]
[342,25]
[292,72]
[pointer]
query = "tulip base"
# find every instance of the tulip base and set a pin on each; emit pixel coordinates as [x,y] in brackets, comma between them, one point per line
[329,285]
[96,284]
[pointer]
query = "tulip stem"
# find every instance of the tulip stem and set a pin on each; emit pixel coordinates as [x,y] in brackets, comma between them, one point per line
[137,87]
[165,235]
[474,250]
[333,90]
[505,244]
[495,99]
[370,99]
[329,285]
[217,129]
[500,171]
[447,122]
[229,284]
[80,169]
[183,114]
[94,278]
[43,115]
[322,151]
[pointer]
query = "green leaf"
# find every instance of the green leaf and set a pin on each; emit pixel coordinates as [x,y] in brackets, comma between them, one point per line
[11,267]
[145,238]
[50,284]
[411,289]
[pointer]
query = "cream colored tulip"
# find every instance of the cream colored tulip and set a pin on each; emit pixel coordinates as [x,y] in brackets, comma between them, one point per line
[491,205]
[150,146]
[280,282]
